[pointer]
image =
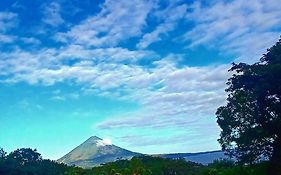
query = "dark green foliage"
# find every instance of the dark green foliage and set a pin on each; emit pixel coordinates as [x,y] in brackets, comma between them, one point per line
[25,156]
[26,161]
[159,166]
[146,165]
[2,153]
[251,120]
[228,168]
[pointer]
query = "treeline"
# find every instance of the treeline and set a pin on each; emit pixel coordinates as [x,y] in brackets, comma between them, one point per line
[148,165]
[26,161]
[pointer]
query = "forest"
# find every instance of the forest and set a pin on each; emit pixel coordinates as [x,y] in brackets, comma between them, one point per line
[26,161]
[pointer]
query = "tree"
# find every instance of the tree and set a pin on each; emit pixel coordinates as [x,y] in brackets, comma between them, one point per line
[25,155]
[2,153]
[26,161]
[251,119]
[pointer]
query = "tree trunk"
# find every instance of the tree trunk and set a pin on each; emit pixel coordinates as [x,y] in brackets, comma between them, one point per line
[275,160]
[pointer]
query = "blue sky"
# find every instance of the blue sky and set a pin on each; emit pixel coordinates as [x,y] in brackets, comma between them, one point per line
[146,74]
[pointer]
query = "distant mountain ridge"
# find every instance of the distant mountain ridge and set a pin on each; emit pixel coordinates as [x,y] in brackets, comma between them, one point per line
[200,157]
[93,153]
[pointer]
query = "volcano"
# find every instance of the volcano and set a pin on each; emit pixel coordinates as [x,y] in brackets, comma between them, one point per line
[94,152]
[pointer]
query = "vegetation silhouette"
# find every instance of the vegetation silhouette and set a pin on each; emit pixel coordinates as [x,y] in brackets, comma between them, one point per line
[26,161]
[251,120]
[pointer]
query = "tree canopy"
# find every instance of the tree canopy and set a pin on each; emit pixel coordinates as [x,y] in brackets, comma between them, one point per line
[251,119]
[25,155]
[144,165]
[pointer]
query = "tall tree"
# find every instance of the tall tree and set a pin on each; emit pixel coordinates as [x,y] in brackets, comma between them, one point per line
[251,119]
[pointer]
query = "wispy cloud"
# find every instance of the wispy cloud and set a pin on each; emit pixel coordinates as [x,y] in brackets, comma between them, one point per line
[28,106]
[48,66]
[65,96]
[8,20]
[116,22]
[7,38]
[30,40]
[147,141]
[104,142]
[245,28]
[170,16]
[185,92]
[111,54]
[185,95]
[52,14]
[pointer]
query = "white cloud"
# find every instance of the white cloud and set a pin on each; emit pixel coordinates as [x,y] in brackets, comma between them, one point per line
[245,28]
[104,142]
[65,96]
[186,94]
[57,98]
[178,91]
[7,20]
[28,106]
[116,22]
[112,54]
[170,16]
[52,14]
[7,38]
[97,67]
[30,40]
